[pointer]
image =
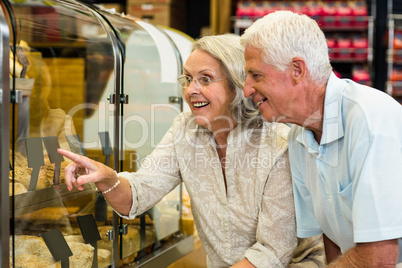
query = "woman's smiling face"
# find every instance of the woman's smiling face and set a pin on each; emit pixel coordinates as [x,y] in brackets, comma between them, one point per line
[209,104]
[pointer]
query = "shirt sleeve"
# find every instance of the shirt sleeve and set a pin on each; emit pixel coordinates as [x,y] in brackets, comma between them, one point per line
[159,174]
[310,253]
[276,230]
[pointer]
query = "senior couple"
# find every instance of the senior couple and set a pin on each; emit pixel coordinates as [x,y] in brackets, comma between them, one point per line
[327,191]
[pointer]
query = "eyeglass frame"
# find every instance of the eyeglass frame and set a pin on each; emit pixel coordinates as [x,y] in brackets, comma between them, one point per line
[197,82]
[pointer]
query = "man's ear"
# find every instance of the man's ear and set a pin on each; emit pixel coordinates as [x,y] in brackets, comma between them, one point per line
[299,70]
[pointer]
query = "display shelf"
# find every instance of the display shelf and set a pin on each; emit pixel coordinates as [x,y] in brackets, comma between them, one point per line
[47,197]
[338,20]
[77,44]
[348,60]
[336,25]
[394,89]
[394,55]
[167,253]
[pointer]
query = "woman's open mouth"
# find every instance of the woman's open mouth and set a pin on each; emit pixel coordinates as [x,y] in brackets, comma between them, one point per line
[200,104]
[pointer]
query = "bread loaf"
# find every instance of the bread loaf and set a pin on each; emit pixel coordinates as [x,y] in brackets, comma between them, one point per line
[32,252]
[46,174]
[19,188]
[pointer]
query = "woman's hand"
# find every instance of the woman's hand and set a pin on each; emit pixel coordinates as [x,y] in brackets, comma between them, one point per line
[84,170]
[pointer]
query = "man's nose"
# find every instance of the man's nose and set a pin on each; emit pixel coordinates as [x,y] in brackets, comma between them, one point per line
[248,90]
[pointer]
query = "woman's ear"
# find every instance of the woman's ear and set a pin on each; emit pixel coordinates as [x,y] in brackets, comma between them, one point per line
[299,70]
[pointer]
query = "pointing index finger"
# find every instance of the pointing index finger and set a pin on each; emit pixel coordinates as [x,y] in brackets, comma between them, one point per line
[79,159]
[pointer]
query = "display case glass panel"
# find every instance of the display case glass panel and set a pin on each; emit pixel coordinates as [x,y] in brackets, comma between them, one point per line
[60,55]
[151,67]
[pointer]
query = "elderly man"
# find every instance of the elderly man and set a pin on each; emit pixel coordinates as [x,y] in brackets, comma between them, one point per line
[345,144]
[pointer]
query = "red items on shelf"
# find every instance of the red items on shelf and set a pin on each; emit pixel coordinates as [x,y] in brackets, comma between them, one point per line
[328,17]
[397,46]
[314,10]
[245,10]
[360,41]
[344,47]
[344,41]
[344,14]
[396,74]
[360,13]
[360,74]
[360,44]
[347,46]
[397,40]
[327,13]
[332,44]
[338,74]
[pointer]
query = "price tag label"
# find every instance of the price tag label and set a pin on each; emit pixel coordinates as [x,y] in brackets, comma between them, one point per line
[35,159]
[90,233]
[51,145]
[58,247]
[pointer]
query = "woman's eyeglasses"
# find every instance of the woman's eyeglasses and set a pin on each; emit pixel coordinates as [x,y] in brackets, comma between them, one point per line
[202,81]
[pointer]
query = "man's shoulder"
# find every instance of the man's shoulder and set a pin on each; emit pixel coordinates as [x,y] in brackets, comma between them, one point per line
[369,100]
[371,107]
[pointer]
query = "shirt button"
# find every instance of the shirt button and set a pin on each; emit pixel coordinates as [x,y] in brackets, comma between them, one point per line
[321,149]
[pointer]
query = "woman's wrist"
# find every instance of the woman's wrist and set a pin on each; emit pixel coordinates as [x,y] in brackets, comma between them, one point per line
[111,188]
[105,187]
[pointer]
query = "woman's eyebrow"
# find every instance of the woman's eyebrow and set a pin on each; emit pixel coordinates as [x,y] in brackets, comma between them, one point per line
[206,70]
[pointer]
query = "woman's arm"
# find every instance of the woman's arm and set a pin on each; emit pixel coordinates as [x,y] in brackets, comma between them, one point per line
[243,264]
[130,194]
[84,170]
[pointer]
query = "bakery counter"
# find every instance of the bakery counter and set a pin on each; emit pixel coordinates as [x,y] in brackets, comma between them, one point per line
[169,251]
[65,62]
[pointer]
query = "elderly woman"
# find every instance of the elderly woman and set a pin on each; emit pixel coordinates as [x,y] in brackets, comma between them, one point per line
[234,166]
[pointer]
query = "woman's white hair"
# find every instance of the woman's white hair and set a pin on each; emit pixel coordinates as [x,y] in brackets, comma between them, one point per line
[226,48]
[283,35]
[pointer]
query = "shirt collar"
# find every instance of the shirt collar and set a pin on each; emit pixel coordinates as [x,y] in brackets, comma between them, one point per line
[333,122]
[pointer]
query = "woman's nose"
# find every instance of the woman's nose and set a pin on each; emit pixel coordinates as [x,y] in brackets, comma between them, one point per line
[194,87]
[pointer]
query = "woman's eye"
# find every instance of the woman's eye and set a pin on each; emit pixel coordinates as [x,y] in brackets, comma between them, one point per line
[204,79]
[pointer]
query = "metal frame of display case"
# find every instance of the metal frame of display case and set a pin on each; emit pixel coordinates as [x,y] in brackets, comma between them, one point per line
[4,142]
[118,66]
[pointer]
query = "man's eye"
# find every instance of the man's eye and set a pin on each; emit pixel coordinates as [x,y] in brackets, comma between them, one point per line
[256,76]
[188,79]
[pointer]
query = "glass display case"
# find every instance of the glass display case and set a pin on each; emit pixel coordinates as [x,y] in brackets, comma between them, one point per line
[99,84]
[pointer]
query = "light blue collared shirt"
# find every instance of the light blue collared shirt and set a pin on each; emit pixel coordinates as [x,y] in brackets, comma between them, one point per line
[350,185]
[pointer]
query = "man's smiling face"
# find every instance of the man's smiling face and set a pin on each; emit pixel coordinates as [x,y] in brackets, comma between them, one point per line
[270,88]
